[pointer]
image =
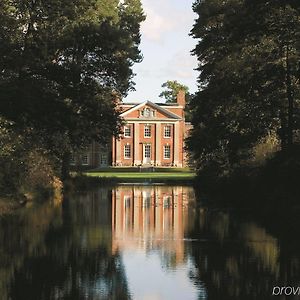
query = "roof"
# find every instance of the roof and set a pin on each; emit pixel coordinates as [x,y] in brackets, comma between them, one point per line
[154,105]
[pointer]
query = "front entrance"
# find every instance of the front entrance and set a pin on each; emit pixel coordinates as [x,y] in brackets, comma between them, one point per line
[147,154]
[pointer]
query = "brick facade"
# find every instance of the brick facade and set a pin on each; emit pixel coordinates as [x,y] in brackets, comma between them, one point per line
[153,135]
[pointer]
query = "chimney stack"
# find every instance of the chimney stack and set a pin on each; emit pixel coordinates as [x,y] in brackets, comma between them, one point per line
[181,98]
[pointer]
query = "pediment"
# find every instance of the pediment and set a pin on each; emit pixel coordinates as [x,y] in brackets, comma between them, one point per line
[149,110]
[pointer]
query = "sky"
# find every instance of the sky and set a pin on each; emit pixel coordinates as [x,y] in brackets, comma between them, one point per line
[166,47]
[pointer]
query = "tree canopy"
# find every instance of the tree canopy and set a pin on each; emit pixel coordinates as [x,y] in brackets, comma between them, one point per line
[171,89]
[64,66]
[248,54]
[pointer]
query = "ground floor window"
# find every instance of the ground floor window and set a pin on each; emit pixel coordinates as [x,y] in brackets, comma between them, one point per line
[85,159]
[127,151]
[167,151]
[103,159]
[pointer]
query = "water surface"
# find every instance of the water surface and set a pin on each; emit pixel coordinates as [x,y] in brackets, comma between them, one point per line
[145,242]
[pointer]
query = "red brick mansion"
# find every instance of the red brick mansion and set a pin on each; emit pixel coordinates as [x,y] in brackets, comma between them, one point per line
[153,135]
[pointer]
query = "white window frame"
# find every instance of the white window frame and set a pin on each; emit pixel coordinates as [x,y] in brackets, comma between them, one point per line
[147,129]
[83,161]
[127,127]
[167,131]
[125,151]
[165,151]
[148,151]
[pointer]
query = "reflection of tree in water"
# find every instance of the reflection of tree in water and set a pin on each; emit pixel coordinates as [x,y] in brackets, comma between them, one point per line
[67,252]
[21,236]
[78,262]
[77,275]
[239,259]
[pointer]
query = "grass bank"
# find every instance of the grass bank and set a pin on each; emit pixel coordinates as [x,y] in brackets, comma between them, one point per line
[132,175]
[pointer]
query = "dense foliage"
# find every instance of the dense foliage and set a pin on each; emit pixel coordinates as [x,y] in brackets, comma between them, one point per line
[170,91]
[249,54]
[63,67]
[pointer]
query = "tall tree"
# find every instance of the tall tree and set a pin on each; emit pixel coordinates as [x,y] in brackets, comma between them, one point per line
[63,67]
[248,61]
[171,89]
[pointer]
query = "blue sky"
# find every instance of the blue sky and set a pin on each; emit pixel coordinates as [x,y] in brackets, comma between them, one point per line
[166,47]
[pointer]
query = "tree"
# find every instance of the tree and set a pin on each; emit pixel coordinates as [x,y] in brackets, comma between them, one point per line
[170,94]
[172,87]
[248,84]
[63,67]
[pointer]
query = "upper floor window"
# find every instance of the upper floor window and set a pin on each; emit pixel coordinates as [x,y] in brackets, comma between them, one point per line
[127,151]
[147,131]
[127,131]
[167,131]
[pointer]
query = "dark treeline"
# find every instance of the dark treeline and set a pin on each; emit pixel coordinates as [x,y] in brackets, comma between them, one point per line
[247,106]
[62,68]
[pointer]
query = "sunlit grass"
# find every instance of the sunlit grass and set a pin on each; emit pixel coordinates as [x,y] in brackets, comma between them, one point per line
[166,175]
[182,175]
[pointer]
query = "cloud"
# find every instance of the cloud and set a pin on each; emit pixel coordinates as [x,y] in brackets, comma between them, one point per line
[182,65]
[162,16]
[156,25]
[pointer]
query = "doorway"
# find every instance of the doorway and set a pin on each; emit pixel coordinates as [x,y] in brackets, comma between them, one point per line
[147,154]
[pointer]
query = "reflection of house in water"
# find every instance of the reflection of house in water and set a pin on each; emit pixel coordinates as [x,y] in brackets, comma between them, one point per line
[150,218]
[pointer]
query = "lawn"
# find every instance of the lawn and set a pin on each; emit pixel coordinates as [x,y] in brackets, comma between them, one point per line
[126,174]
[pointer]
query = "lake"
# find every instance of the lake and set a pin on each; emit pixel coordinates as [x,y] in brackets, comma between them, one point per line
[147,242]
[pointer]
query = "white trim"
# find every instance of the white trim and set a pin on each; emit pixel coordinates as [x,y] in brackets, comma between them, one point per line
[164,148]
[156,106]
[128,127]
[150,131]
[170,131]
[147,160]
[137,120]
[130,150]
